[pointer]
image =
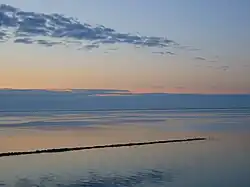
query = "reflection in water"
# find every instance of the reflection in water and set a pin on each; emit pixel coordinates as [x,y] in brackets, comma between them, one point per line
[224,162]
[148,177]
[220,161]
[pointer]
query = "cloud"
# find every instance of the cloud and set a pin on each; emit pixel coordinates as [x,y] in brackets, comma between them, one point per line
[163,52]
[47,43]
[2,34]
[158,52]
[57,29]
[200,58]
[23,40]
[91,46]
[224,68]
[38,41]
[169,52]
[188,48]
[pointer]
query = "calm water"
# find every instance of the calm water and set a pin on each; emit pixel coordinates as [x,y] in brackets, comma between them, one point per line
[222,160]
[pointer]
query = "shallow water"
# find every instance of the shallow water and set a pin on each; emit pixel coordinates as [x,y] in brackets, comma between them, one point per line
[222,160]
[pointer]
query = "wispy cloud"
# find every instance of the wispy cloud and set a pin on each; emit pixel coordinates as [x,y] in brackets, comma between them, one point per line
[221,68]
[200,58]
[56,29]
[23,40]
[47,43]
[187,48]
[224,68]
[91,46]
[163,52]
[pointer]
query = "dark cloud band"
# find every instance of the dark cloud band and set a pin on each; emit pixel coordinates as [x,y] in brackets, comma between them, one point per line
[27,27]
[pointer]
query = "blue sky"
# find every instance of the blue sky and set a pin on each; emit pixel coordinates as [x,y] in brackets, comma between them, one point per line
[219,29]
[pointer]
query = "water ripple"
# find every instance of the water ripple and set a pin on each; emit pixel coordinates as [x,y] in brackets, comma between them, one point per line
[94,179]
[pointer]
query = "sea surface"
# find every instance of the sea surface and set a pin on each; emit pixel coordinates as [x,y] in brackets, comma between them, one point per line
[221,160]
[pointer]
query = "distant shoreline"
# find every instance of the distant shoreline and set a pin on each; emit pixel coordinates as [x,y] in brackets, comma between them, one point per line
[120,109]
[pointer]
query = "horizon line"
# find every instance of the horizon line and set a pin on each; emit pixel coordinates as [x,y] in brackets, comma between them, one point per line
[120,92]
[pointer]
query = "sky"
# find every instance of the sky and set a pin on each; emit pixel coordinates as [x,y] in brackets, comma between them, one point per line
[172,46]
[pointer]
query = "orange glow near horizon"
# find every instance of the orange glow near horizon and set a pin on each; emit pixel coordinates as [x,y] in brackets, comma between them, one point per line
[135,91]
[140,75]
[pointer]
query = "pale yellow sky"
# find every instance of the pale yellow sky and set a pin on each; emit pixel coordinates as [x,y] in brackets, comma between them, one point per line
[38,67]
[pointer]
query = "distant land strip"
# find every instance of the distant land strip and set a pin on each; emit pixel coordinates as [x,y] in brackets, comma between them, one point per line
[59,150]
[125,109]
